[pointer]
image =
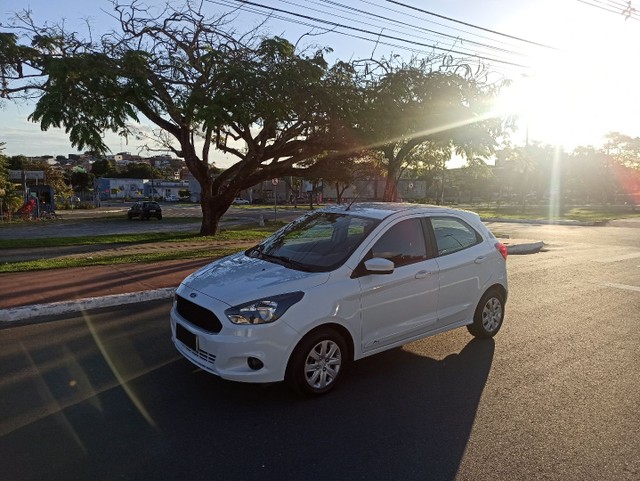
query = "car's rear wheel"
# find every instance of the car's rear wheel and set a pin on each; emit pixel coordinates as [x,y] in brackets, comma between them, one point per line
[159,216]
[318,362]
[489,314]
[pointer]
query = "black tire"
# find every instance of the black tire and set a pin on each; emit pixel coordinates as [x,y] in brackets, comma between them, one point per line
[159,216]
[489,315]
[318,362]
[130,217]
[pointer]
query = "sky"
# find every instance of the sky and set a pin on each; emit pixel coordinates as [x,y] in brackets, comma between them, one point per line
[574,64]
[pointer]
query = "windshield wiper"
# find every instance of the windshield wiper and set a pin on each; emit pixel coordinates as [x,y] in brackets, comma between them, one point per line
[287,262]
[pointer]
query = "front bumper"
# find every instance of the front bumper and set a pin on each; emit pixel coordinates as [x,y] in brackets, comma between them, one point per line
[226,354]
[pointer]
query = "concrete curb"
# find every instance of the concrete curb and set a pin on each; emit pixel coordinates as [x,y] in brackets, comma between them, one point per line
[528,248]
[65,307]
[543,222]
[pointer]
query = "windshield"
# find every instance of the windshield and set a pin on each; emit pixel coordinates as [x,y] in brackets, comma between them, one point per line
[317,242]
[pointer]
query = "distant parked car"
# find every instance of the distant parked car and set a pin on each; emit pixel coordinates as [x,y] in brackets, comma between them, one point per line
[145,210]
[172,198]
[240,201]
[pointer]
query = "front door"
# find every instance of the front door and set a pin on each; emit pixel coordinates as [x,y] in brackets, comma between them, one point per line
[400,306]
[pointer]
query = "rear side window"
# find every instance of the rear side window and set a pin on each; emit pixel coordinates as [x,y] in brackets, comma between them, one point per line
[453,234]
[403,243]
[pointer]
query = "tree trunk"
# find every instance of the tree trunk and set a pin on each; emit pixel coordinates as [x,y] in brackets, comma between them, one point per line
[212,212]
[390,189]
[313,192]
[340,192]
[393,172]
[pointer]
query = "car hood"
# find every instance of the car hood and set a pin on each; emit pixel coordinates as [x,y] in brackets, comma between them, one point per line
[238,278]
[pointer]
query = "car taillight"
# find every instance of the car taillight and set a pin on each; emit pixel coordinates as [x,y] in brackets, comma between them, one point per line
[502,249]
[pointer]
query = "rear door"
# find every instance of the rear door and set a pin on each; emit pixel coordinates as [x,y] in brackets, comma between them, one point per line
[462,257]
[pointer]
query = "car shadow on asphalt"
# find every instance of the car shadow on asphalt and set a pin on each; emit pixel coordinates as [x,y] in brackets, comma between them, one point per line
[396,415]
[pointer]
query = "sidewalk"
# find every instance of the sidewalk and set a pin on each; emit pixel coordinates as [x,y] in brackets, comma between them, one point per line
[28,295]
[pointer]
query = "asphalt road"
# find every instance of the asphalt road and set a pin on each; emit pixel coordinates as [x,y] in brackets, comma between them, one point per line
[555,396]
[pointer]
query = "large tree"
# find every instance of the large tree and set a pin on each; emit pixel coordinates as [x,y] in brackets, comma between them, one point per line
[624,149]
[429,109]
[200,84]
[591,175]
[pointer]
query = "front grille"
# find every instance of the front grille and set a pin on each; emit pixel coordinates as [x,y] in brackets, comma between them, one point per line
[209,358]
[198,315]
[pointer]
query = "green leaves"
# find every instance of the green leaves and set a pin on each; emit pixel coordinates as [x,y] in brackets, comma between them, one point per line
[87,94]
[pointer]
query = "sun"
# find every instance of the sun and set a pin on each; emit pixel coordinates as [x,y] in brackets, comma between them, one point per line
[583,88]
[555,107]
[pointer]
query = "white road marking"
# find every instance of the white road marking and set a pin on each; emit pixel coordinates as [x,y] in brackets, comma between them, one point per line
[622,286]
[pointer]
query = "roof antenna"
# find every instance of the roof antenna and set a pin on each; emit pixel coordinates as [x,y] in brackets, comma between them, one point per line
[357,196]
[354,199]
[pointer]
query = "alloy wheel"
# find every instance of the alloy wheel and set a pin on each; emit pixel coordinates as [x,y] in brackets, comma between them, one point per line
[492,314]
[323,364]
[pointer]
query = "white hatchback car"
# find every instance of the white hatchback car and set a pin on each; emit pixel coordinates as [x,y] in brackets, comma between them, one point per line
[336,285]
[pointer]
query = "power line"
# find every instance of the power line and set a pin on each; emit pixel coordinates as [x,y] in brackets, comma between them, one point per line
[415,27]
[382,35]
[625,9]
[470,24]
[450,27]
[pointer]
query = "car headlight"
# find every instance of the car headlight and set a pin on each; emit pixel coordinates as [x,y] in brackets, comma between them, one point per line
[263,311]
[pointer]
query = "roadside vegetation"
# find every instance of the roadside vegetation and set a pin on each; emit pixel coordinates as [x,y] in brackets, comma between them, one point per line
[588,214]
[148,257]
[224,243]
[238,233]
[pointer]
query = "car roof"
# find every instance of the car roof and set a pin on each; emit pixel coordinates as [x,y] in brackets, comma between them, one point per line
[382,210]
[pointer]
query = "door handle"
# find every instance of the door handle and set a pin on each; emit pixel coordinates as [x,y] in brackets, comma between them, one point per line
[422,274]
[480,259]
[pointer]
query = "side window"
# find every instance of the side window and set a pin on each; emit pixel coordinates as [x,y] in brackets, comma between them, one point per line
[358,229]
[453,235]
[403,243]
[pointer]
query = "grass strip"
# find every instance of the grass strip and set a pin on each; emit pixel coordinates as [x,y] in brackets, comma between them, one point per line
[236,234]
[145,258]
[595,215]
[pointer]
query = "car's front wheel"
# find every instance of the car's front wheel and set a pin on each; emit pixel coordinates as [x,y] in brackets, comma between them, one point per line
[318,362]
[489,314]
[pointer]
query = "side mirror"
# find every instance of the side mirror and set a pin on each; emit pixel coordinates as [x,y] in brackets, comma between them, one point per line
[378,265]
